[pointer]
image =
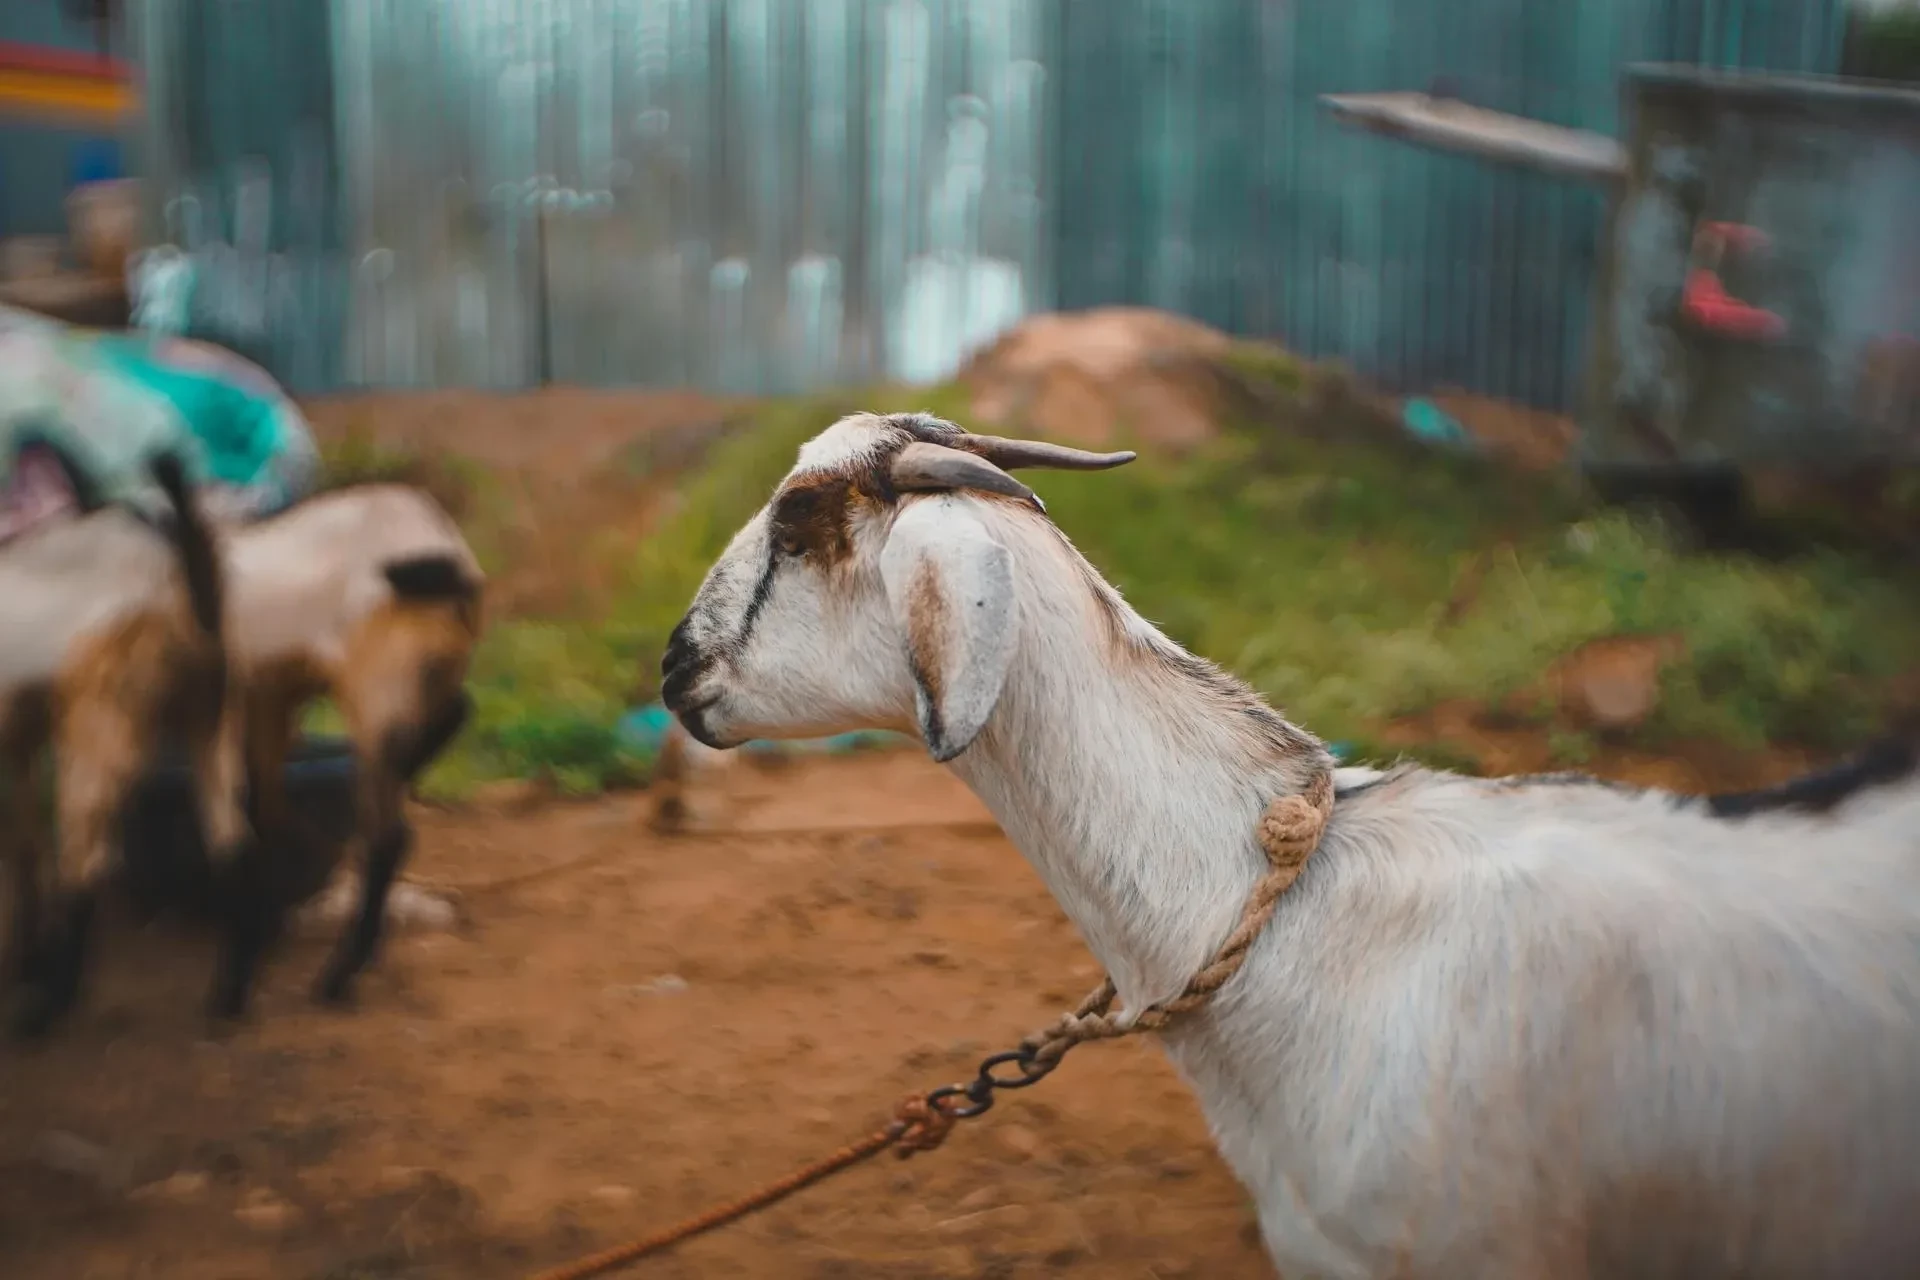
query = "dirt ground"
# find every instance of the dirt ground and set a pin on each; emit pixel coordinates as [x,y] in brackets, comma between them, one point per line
[632,1027]
[562,434]
[580,473]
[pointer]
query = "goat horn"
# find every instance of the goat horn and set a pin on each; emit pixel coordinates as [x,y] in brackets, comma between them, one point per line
[934,466]
[1011,455]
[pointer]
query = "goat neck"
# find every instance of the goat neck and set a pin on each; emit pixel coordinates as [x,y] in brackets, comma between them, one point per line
[1131,773]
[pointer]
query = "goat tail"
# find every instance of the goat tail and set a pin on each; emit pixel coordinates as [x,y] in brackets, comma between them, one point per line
[193,543]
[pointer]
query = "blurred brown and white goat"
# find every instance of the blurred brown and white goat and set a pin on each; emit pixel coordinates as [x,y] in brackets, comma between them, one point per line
[1497,1029]
[110,642]
[371,596]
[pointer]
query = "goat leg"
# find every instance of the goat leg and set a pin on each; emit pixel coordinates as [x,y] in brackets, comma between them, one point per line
[100,736]
[402,753]
[21,850]
[357,946]
[20,955]
[23,930]
[251,909]
[53,985]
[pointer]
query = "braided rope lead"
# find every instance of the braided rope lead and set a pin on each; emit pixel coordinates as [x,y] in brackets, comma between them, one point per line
[1290,830]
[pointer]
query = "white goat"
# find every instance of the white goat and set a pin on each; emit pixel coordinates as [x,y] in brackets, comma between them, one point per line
[110,639]
[370,595]
[1518,1028]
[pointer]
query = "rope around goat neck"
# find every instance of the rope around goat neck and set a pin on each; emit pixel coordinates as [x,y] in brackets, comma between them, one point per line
[1289,831]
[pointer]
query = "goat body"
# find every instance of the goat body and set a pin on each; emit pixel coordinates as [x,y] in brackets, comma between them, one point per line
[70,582]
[110,638]
[1496,1029]
[370,595]
[1523,1028]
[305,582]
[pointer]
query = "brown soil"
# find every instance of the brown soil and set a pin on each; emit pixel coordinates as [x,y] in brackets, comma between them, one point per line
[557,433]
[1093,377]
[1161,381]
[1528,438]
[634,1027]
[580,473]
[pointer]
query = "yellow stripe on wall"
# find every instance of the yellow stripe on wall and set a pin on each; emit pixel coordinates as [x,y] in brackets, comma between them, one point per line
[41,93]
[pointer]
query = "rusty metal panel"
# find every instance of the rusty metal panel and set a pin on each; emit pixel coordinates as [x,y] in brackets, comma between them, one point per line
[1747,313]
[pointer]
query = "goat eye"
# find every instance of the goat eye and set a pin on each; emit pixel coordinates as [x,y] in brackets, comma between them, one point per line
[789,545]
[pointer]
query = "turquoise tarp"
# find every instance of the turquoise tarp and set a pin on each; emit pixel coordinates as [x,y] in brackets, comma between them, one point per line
[108,402]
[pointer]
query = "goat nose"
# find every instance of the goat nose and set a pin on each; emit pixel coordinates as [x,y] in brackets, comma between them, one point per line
[673,689]
[680,666]
[678,649]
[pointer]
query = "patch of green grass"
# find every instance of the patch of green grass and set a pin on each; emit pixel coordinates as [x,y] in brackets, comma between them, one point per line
[1323,573]
[548,697]
[1263,368]
[1570,748]
[1435,755]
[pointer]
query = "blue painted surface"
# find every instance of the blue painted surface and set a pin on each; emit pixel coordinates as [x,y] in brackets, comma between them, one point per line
[777,194]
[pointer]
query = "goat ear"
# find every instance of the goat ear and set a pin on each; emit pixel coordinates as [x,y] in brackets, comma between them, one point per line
[951,589]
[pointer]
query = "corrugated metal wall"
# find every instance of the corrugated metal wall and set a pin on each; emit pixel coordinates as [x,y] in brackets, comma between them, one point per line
[241,156]
[754,194]
[773,194]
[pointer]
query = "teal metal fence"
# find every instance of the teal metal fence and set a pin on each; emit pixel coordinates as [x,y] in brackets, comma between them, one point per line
[240,152]
[776,194]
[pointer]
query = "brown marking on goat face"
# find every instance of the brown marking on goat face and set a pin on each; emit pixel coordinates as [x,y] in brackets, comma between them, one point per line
[812,516]
[404,661]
